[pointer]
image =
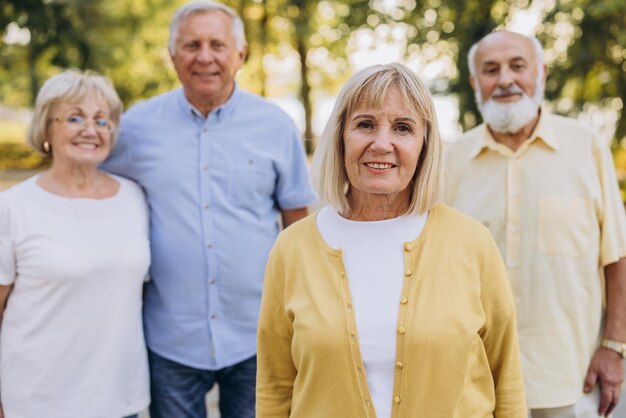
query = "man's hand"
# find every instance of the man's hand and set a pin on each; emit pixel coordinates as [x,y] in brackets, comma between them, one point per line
[607,369]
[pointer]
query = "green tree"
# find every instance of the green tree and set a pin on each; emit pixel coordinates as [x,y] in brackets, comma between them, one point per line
[55,40]
[590,66]
[124,39]
[321,29]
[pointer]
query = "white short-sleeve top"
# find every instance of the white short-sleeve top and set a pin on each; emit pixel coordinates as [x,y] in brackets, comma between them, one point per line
[71,338]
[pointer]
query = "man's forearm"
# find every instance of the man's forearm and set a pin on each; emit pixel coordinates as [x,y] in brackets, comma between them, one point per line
[615,277]
[290,216]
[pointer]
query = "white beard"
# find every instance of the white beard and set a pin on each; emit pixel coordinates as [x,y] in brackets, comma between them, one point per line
[511,117]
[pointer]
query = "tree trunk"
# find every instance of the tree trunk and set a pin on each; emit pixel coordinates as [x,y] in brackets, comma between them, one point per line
[32,73]
[263,28]
[305,95]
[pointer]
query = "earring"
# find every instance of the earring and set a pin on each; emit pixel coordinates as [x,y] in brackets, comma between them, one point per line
[46,147]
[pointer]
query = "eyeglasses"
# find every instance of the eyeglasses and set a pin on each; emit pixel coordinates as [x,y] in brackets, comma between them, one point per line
[80,123]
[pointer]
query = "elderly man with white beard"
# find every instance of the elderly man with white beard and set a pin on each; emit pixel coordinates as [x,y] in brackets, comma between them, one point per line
[545,186]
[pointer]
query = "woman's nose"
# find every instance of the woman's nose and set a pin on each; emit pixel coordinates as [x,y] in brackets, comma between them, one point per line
[383,141]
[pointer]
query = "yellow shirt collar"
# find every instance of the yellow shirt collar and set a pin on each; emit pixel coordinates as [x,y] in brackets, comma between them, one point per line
[544,131]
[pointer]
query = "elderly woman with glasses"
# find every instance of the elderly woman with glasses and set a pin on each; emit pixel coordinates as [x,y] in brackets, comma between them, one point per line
[385,303]
[74,254]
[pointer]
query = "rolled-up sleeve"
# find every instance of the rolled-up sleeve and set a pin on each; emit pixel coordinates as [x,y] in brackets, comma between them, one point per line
[293,188]
[612,218]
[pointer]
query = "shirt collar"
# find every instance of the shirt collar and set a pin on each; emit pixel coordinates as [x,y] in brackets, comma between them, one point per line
[219,112]
[544,131]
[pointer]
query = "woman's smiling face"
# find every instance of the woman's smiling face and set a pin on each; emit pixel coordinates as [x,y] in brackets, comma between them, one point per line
[80,133]
[382,147]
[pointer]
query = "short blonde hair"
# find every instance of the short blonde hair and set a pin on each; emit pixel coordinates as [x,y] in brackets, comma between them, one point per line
[70,86]
[371,87]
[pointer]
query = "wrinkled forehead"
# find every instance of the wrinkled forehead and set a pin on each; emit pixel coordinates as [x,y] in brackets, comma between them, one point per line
[500,47]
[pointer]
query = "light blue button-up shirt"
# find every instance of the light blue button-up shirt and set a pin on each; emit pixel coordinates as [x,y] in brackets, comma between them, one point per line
[215,186]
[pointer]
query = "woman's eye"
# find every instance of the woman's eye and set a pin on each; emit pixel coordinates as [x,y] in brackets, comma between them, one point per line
[364,124]
[75,119]
[102,122]
[404,128]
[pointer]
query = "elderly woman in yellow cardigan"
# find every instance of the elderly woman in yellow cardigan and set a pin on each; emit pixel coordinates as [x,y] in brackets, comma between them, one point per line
[385,303]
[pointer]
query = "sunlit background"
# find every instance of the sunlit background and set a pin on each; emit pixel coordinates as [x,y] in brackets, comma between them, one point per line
[300,53]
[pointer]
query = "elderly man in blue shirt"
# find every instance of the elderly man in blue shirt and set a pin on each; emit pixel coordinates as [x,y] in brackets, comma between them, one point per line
[217,165]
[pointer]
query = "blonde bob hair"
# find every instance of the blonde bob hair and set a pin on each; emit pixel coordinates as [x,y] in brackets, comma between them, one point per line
[370,88]
[70,86]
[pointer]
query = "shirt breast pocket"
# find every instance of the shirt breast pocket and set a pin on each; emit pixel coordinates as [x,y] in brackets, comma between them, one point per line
[567,226]
[252,182]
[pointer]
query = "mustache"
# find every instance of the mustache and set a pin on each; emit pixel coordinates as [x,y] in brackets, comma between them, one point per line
[512,89]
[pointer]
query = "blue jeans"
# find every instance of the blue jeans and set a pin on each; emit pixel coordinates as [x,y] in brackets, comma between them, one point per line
[178,390]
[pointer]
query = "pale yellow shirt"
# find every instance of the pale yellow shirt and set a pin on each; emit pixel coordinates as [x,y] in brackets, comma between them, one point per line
[554,209]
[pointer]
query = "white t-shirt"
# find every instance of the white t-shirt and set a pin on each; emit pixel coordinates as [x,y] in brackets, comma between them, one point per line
[373,257]
[71,339]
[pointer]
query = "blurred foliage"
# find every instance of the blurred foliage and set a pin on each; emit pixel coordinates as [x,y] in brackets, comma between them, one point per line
[12,131]
[126,40]
[589,68]
[19,156]
[619,156]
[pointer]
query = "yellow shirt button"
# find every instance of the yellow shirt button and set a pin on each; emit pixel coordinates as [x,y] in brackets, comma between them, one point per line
[399,365]
[404,301]
[407,273]
[396,399]
[408,247]
[401,330]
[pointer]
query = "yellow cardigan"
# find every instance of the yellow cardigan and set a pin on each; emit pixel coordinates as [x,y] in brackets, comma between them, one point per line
[456,345]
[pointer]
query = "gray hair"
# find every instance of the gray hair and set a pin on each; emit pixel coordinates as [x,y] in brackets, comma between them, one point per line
[371,87]
[202,6]
[70,86]
[539,56]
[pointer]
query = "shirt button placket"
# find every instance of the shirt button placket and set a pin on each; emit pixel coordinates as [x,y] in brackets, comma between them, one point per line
[205,201]
[513,213]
